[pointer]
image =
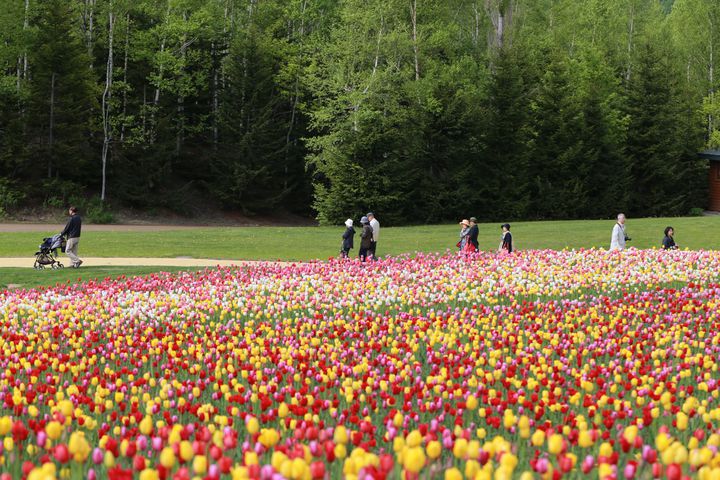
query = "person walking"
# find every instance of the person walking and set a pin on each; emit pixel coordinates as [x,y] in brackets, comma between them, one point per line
[464,230]
[375,225]
[668,242]
[473,244]
[506,241]
[366,237]
[619,238]
[347,236]
[72,232]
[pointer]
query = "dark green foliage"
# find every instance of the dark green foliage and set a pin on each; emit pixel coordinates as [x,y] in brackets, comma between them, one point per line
[422,111]
[667,5]
[61,96]
[255,166]
[557,170]
[500,175]
[662,140]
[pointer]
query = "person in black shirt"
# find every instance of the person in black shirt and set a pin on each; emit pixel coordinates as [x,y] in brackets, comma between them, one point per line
[668,242]
[366,237]
[506,245]
[348,236]
[72,232]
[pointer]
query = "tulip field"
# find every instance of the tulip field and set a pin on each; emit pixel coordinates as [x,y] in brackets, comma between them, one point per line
[541,364]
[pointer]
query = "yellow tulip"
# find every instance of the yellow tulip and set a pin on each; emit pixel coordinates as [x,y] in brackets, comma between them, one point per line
[414,459]
[433,449]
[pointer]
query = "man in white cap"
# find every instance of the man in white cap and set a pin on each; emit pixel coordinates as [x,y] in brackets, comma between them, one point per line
[375,236]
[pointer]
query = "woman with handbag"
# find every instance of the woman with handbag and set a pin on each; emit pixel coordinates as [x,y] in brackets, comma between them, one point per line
[464,232]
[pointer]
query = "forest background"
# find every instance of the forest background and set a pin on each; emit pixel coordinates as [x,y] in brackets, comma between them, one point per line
[422,110]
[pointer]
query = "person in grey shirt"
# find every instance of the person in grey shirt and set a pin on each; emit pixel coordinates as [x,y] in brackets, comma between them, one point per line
[375,236]
[618,239]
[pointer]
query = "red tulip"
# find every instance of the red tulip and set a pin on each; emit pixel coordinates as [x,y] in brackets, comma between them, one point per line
[225,464]
[139,463]
[317,470]
[674,472]
[61,453]
[215,452]
[27,467]
[182,474]
[386,462]
[131,450]
[330,450]
[117,473]
[19,431]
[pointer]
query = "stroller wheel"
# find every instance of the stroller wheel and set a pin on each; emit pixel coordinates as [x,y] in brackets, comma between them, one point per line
[60,265]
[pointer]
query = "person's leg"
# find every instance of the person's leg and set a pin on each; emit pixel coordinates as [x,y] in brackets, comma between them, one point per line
[71,250]
[363,254]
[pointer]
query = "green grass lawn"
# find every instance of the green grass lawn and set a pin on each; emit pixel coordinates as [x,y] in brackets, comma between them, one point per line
[28,277]
[307,243]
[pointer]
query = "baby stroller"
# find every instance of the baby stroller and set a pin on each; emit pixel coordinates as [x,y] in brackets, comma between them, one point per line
[48,252]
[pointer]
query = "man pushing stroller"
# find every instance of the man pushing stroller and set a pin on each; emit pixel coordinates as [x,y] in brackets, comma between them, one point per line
[72,232]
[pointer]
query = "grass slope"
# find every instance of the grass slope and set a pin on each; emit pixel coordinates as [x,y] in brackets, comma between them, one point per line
[30,278]
[307,243]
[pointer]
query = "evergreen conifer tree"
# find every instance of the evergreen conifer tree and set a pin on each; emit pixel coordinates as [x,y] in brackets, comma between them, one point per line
[654,136]
[61,96]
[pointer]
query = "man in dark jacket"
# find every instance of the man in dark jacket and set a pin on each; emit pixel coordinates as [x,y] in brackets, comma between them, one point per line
[72,232]
[366,238]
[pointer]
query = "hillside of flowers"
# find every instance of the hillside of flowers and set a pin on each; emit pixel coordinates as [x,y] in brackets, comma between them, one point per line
[540,364]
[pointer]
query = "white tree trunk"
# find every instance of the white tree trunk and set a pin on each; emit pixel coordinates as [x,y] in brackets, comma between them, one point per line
[631,33]
[125,77]
[413,18]
[711,78]
[89,27]
[106,98]
[500,13]
[22,69]
[52,125]
[216,99]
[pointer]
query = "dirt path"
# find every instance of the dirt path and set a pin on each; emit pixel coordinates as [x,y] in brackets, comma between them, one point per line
[21,262]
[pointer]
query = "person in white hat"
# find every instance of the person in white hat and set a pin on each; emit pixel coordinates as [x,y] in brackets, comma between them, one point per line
[347,238]
[464,232]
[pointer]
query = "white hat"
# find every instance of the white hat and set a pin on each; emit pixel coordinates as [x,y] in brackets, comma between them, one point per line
[349,222]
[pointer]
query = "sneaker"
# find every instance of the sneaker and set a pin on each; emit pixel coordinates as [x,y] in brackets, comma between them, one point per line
[77,265]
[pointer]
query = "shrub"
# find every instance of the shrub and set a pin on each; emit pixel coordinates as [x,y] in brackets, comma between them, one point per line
[95,211]
[10,196]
